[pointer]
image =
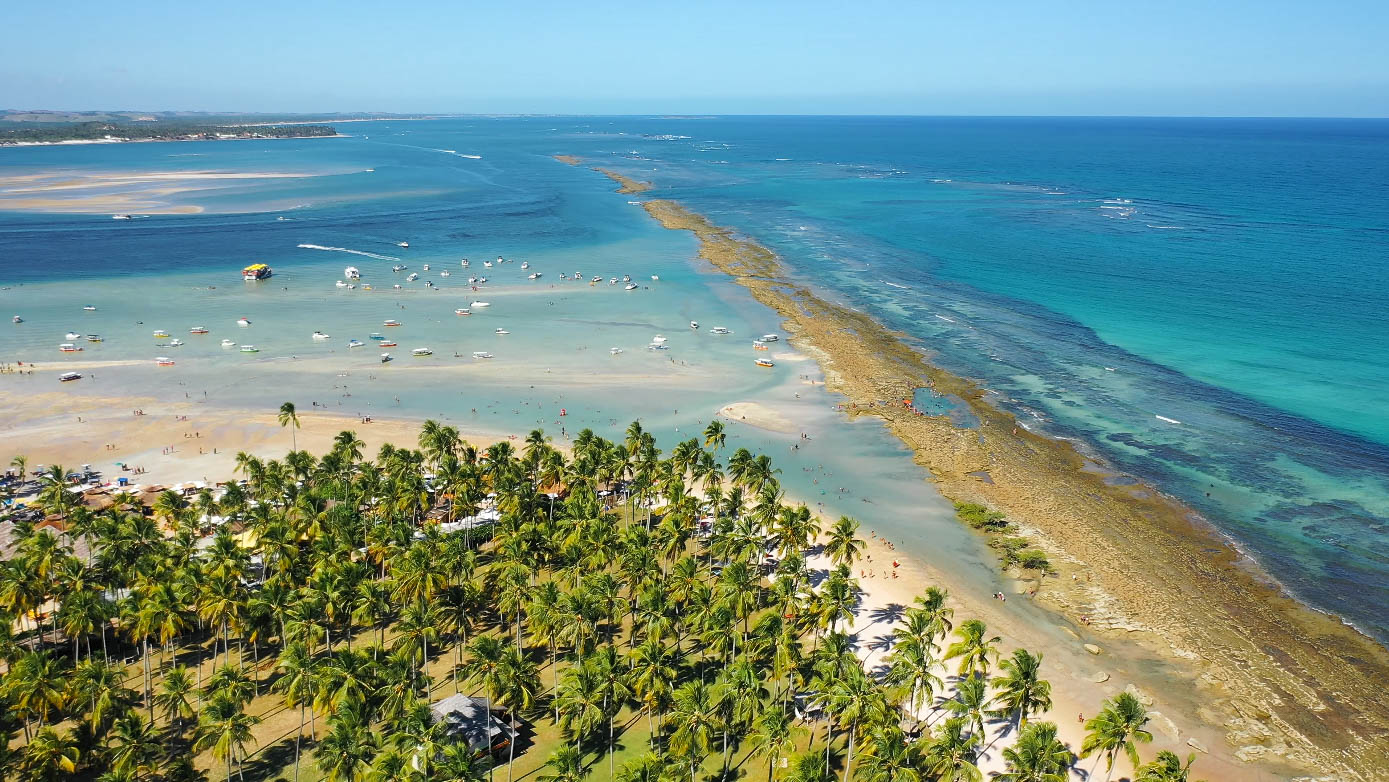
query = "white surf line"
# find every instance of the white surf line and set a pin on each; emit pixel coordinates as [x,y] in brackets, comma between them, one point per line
[1168,420]
[345,250]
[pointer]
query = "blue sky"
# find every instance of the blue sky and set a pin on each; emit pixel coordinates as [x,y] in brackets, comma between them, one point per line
[1273,58]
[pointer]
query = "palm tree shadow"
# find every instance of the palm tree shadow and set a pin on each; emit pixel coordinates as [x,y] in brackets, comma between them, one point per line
[891,613]
[815,576]
[271,760]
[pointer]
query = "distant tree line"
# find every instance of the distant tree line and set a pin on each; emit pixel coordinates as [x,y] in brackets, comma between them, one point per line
[162,131]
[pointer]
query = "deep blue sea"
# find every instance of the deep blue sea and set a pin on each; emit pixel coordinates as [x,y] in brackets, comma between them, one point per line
[1202,303]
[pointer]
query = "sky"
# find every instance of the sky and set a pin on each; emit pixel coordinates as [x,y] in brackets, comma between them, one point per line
[1003,57]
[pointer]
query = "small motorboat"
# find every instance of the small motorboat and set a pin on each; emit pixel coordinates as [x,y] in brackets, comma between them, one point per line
[376,336]
[243,322]
[461,311]
[525,265]
[400,267]
[758,344]
[402,244]
[764,362]
[533,276]
[177,343]
[596,279]
[421,352]
[94,338]
[385,357]
[68,347]
[352,273]
[488,264]
[655,278]
[68,377]
[719,330]
[413,276]
[770,338]
[657,346]
[318,335]
[463,263]
[502,331]
[75,335]
[631,286]
[161,334]
[228,343]
[477,304]
[694,324]
[658,340]
[481,354]
[391,323]
[89,308]
[18,319]
[396,286]
[626,278]
[355,343]
[120,217]
[198,330]
[340,284]
[249,349]
[386,344]
[445,273]
[612,281]
[164,361]
[426,267]
[481,280]
[614,351]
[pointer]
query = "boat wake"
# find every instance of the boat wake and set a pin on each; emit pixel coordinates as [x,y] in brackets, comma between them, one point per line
[346,250]
[895,285]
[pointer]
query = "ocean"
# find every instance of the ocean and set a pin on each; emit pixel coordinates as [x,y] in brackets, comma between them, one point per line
[1199,303]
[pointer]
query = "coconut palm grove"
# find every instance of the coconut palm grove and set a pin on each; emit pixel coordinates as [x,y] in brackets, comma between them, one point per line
[606,612]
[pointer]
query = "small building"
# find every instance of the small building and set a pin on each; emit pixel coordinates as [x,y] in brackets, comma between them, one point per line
[467,718]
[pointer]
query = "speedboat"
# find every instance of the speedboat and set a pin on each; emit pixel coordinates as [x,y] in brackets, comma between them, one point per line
[68,377]
[626,278]
[198,330]
[177,343]
[320,335]
[256,271]
[340,284]
[500,260]
[461,311]
[402,244]
[385,357]
[68,347]
[396,286]
[400,267]
[249,349]
[525,265]
[355,343]
[228,343]
[481,280]
[161,334]
[421,352]
[612,281]
[477,304]
[352,273]
[243,322]
[770,338]
[533,276]
[75,335]
[463,263]
[764,362]
[164,361]
[413,276]
[89,308]
[17,319]
[426,267]
[631,286]
[614,351]
[655,278]
[719,330]
[391,323]
[94,338]
[596,278]
[694,324]
[503,331]
[658,340]
[481,354]
[120,217]
[376,336]
[387,344]
[445,273]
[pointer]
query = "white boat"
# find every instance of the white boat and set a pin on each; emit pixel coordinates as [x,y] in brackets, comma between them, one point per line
[758,344]
[525,265]
[694,324]
[177,343]
[658,340]
[770,338]
[421,352]
[426,267]
[655,278]
[614,351]
[161,334]
[657,346]
[764,362]
[68,347]
[320,335]
[533,276]
[481,354]
[481,280]
[719,330]
[413,276]
[340,284]
[75,335]
[120,217]
[164,361]
[198,330]
[487,264]
[626,278]
[503,331]
[612,281]
[478,304]
[249,349]
[463,263]
[68,377]
[461,311]
[94,338]
[243,322]
[402,244]
[400,267]
[89,308]
[228,343]
[596,278]
[500,260]
[631,286]
[355,343]
[17,319]
[390,322]
[352,273]
[385,357]
[445,273]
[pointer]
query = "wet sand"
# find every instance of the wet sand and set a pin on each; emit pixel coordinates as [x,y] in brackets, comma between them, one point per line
[1283,683]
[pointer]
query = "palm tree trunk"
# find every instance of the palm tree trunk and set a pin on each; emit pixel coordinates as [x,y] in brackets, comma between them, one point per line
[849,759]
[297,738]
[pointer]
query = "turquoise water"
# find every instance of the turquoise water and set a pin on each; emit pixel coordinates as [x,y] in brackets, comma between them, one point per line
[1226,275]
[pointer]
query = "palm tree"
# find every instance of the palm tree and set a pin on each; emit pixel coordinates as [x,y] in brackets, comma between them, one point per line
[1021,691]
[288,417]
[952,753]
[34,685]
[48,757]
[1038,756]
[773,737]
[1167,768]
[566,765]
[225,729]
[714,437]
[134,746]
[173,697]
[971,699]
[695,716]
[1117,728]
[652,678]
[580,702]
[889,757]
[299,682]
[843,545]
[346,752]
[973,648]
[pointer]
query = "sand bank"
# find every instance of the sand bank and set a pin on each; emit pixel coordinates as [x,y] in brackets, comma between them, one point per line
[1281,681]
[758,415]
[91,193]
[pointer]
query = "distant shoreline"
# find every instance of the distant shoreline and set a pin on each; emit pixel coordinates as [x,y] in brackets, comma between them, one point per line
[84,141]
